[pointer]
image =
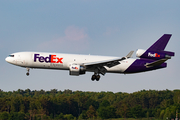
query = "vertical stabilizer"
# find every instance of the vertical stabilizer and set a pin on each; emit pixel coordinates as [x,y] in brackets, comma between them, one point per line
[160,44]
[156,51]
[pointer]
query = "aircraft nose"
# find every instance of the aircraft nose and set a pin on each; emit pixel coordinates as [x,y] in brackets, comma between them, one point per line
[8,60]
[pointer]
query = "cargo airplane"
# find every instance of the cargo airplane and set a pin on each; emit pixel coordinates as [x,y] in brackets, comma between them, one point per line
[151,59]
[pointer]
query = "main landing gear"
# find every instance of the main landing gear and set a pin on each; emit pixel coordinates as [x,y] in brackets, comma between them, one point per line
[27,71]
[98,70]
[95,77]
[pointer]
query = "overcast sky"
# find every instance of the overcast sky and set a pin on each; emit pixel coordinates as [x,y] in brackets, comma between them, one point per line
[97,27]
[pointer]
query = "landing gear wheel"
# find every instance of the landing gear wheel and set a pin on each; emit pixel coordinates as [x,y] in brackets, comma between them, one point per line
[93,77]
[97,77]
[27,74]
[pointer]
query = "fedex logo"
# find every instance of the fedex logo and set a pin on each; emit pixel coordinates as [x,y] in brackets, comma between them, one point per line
[153,55]
[75,68]
[49,59]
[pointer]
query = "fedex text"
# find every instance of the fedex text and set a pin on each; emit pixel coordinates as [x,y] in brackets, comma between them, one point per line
[153,55]
[49,59]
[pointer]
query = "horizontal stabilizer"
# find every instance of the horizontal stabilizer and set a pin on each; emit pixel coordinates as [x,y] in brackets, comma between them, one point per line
[156,63]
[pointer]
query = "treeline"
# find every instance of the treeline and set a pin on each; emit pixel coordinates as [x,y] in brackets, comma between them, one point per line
[68,104]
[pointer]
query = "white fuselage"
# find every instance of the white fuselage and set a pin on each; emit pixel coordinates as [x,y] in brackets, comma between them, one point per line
[62,61]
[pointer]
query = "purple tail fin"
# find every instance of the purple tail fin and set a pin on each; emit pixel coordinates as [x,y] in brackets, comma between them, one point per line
[160,44]
[156,51]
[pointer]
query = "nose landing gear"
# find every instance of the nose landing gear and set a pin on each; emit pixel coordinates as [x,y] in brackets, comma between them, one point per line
[27,71]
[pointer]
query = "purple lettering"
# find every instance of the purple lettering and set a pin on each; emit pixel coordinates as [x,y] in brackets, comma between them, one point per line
[35,57]
[48,59]
[41,59]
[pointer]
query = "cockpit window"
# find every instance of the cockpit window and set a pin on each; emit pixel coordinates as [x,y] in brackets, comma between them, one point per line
[11,55]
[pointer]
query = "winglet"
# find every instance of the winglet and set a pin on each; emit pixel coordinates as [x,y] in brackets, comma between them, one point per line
[129,54]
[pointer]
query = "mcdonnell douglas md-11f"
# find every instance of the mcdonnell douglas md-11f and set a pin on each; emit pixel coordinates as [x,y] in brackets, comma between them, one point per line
[151,59]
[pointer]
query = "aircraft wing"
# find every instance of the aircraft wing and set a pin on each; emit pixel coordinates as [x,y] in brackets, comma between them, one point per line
[108,63]
[156,63]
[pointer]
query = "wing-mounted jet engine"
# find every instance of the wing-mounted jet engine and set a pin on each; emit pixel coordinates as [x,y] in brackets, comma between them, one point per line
[75,69]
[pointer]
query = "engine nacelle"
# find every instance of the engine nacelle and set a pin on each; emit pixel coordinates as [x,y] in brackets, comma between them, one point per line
[140,52]
[77,69]
[153,55]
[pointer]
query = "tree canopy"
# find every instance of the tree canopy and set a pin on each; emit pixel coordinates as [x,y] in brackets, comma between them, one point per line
[68,104]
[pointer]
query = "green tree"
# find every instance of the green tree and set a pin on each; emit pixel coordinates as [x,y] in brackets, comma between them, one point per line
[91,112]
[106,112]
[21,116]
[157,114]
[105,103]
[60,116]
[167,114]
[176,97]
[122,109]
[161,114]
[137,111]
[83,115]
[4,115]
[68,116]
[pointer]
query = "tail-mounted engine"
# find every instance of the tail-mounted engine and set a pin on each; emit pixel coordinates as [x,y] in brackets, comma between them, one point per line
[154,55]
[77,69]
